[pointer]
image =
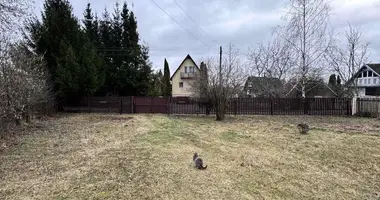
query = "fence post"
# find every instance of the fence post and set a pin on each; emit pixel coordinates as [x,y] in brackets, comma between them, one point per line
[121,105]
[132,104]
[271,106]
[89,104]
[354,105]
[236,106]
[151,104]
[168,105]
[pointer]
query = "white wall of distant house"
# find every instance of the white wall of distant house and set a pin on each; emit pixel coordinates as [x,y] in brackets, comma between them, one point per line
[368,79]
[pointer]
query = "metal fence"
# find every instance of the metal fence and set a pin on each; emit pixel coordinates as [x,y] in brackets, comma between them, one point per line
[237,106]
[269,106]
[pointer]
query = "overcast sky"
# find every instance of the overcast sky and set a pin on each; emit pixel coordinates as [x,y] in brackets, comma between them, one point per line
[244,23]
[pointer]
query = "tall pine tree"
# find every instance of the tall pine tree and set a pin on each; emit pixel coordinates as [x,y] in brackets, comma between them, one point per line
[59,38]
[144,72]
[91,26]
[167,88]
[332,80]
[105,47]
[339,81]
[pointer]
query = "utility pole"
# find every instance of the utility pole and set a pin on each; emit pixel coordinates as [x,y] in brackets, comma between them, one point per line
[220,69]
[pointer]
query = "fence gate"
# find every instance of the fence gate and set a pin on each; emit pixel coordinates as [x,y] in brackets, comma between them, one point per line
[150,105]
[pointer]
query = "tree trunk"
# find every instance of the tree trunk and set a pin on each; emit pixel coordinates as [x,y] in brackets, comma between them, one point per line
[220,112]
[303,90]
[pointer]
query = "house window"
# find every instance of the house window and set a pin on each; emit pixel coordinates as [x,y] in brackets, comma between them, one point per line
[180,84]
[365,74]
[369,81]
[185,69]
[374,81]
[365,81]
[250,84]
[361,75]
[191,69]
[360,81]
[369,74]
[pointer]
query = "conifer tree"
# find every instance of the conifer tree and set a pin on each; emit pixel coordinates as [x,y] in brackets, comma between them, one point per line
[167,88]
[332,80]
[59,38]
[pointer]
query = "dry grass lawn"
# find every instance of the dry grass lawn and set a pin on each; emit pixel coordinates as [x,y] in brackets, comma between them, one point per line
[94,156]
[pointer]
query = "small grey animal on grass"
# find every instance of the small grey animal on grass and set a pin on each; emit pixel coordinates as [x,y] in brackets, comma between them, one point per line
[198,162]
[303,128]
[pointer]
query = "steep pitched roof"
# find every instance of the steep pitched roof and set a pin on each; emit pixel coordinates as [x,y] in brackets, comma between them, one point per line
[264,85]
[374,66]
[187,57]
[259,81]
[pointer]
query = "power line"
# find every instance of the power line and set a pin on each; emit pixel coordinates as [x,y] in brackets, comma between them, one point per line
[194,22]
[178,23]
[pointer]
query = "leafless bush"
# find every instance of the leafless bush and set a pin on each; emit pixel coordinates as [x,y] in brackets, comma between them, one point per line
[273,61]
[223,81]
[24,90]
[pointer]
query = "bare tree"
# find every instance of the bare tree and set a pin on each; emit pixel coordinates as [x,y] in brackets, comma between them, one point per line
[23,79]
[24,87]
[11,11]
[223,81]
[308,38]
[347,58]
[272,60]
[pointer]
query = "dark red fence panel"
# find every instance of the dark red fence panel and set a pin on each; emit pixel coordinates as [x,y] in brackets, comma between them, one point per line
[150,105]
[267,106]
[236,106]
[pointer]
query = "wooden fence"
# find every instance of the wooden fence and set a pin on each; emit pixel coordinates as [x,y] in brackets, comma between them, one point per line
[368,107]
[237,106]
[120,105]
[270,106]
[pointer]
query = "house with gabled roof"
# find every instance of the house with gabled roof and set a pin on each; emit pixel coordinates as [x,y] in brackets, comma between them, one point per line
[366,80]
[263,87]
[183,78]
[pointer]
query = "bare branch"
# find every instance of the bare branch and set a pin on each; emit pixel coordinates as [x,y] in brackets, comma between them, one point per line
[232,77]
[307,37]
[348,57]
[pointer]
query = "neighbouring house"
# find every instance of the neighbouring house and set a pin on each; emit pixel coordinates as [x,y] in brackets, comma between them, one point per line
[263,87]
[366,80]
[314,89]
[183,77]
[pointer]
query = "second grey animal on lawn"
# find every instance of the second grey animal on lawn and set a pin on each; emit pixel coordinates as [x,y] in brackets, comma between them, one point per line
[198,162]
[303,128]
